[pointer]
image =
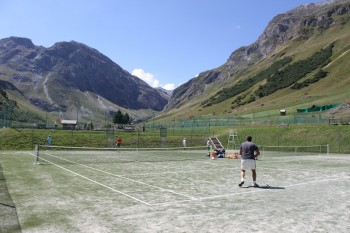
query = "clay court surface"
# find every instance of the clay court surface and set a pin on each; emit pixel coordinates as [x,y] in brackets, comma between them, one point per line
[109,191]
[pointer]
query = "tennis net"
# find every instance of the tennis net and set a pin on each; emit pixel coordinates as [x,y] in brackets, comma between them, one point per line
[86,155]
[294,150]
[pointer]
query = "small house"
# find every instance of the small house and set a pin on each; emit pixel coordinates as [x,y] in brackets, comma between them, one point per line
[69,124]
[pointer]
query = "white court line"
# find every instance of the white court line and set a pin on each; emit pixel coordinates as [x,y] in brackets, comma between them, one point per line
[180,171]
[219,168]
[248,192]
[156,156]
[123,177]
[93,181]
[317,181]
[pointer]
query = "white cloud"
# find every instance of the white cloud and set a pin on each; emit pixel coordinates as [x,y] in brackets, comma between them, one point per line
[169,87]
[151,80]
[147,77]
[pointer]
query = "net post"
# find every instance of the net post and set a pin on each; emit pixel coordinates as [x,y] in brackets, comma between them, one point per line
[327,149]
[263,150]
[36,158]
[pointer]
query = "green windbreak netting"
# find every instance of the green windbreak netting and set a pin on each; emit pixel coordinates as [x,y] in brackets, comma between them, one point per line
[316,108]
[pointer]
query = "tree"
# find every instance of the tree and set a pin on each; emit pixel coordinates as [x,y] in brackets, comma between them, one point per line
[126,118]
[118,118]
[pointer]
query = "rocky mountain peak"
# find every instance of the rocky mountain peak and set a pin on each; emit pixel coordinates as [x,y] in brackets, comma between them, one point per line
[288,26]
[13,42]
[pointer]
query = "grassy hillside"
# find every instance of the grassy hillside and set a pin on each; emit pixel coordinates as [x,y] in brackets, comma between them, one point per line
[334,88]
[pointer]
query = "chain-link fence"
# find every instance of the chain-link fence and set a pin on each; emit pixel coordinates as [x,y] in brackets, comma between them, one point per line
[337,136]
[5,117]
[266,129]
[204,124]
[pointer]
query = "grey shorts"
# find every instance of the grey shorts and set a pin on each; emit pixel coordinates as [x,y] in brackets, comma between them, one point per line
[248,164]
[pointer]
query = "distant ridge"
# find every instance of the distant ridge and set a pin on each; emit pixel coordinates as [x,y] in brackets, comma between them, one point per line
[298,34]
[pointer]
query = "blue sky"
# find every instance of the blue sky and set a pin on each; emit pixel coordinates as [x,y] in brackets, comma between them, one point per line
[164,42]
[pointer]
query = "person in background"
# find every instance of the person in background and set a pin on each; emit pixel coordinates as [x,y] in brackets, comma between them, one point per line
[184,143]
[49,141]
[208,146]
[118,142]
[249,152]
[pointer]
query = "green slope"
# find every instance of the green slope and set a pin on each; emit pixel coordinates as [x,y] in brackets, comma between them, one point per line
[333,88]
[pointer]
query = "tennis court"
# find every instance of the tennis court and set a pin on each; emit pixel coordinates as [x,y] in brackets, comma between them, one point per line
[173,191]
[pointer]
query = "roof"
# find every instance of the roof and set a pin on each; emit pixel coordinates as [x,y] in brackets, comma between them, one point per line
[69,122]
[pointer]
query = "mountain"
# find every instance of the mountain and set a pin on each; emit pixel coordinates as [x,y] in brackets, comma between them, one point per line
[70,77]
[302,58]
[167,93]
[278,70]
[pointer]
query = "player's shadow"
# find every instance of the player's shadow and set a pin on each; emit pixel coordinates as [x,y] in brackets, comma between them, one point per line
[270,187]
[263,187]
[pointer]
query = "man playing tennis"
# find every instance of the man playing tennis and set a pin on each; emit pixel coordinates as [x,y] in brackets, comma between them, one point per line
[248,151]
